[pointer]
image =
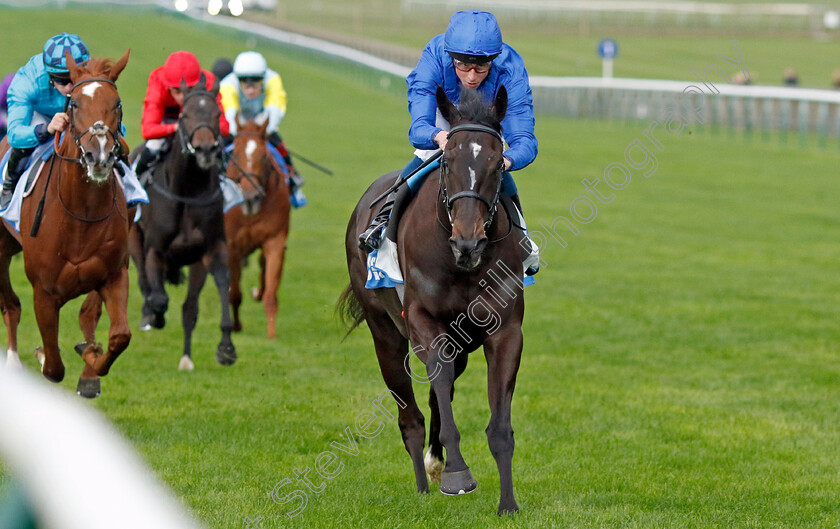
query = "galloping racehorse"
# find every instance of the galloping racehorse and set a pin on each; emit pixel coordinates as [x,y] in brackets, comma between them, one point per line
[262,221]
[183,224]
[81,247]
[462,267]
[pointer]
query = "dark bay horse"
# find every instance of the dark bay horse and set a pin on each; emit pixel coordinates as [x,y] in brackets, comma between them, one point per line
[462,264]
[183,224]
[81,246]
[262,221]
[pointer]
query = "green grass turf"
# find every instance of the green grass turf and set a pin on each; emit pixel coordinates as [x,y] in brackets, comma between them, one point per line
[680,365]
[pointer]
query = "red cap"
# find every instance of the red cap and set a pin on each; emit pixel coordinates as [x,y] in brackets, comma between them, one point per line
[181,65]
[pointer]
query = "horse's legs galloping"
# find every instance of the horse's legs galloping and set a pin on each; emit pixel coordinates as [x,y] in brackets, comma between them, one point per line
[138,255]
[157,299]
[503,351]
[10,305]
[424,330]
[434,458]
[258,292]
[115,294]
[189,311]
[274,250]
[89,385]
[391,350]
[46,313]
[216,264]
[235,296]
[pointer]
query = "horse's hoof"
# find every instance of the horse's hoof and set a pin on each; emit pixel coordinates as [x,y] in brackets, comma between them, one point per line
[186,364]
[13,361]
[255,294]
[455,483]
[152,321]
[80,348]
[508,509]
[226,354]
[434,466]
[89,388]
[39,354]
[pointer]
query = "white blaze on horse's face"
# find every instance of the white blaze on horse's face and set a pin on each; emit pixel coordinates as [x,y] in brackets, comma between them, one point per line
[476,148]
[472,179]
[90,89]
[102,164]
[250,149]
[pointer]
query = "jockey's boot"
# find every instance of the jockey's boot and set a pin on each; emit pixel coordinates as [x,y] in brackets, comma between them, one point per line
[371,238]
[531,264]
[296,196]
[16,166]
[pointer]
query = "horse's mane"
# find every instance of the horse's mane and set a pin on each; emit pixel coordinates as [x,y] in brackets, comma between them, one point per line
[475,109]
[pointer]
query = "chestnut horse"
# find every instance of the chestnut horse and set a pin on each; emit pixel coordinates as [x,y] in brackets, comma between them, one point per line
[183,224]
[81,246]
[462,266]
[262,221]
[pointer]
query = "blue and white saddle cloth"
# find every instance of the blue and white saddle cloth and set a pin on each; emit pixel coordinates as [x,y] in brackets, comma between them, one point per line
[133,191]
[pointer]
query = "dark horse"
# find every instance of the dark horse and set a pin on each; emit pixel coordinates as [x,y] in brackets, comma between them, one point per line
[262,221]
[183,224]
[81,247]
[462,265]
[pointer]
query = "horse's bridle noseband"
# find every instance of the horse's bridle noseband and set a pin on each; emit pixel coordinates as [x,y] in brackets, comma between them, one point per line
[97,129]
[444,167]
[185,139]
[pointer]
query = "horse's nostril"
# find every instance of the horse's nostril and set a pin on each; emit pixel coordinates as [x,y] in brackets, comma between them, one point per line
[89,159]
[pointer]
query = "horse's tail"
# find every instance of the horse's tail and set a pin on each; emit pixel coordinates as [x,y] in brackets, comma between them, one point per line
[350,310]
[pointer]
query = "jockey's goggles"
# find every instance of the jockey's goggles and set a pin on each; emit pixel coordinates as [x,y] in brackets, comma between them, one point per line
[479,68]
[60,80]
[250,80]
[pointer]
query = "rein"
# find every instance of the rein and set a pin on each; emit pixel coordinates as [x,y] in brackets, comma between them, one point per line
[444,167]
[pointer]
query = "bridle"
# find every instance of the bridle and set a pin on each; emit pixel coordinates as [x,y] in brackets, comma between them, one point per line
[252,178]
[444,169]
[99,128]
[185,138]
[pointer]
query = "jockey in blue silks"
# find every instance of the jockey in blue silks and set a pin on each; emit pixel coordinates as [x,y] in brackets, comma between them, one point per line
[36,98]
[470,54]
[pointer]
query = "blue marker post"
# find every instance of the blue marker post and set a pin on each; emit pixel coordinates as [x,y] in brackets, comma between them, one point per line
[607,50]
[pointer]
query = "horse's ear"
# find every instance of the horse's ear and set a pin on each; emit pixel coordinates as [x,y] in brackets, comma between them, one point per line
[116,69]
[447,109]
[500,104]
[184,88]
[215,88]
[262,119]
[75,69]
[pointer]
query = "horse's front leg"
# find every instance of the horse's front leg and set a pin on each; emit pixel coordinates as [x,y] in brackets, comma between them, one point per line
[115,294]
[430,337]
[156,301]
[503,351]
[10,305]
[189,312]
[274,251]
[89,385]
[216,263]
[235,296]
[46,313]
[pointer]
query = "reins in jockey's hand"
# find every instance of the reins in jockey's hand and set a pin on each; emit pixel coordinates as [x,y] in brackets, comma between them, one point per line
[97,129]
[435,156]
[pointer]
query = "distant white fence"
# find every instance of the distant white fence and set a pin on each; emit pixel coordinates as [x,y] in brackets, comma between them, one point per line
[733,107]
[768,16]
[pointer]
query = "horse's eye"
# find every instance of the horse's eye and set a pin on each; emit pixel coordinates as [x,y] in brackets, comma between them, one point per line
[119,105]
[72,104]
